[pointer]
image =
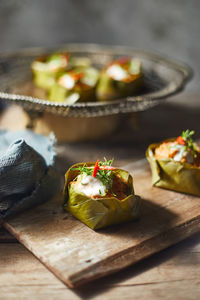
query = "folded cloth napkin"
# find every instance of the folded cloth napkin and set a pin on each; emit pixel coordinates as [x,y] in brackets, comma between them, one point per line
[27,171]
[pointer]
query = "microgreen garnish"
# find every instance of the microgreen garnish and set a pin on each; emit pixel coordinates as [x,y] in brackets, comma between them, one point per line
[187,135]
[105,177]
[83,169]
[106,162]
[103,171]
[188,141]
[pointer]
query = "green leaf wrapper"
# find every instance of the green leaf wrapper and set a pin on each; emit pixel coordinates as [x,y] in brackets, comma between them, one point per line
[173,175]
[44,78]
[110,89]
[80,93]
[101,212]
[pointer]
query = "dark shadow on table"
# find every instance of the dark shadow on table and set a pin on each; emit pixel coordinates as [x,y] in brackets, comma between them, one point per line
[155,220]
[90,290]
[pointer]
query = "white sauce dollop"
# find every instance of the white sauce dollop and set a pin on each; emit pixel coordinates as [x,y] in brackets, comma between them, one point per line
[67,81]
[117,72]
[90,186]
[182,153]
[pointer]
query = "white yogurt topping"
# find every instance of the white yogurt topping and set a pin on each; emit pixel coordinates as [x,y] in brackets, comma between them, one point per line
[90,186]
[178,156]
[67,81]
[182,153]
[117,72]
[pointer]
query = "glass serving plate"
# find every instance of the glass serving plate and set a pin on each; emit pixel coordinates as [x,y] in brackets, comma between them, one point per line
[163,77]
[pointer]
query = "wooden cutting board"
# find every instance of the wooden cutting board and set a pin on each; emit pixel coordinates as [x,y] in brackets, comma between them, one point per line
[76,254]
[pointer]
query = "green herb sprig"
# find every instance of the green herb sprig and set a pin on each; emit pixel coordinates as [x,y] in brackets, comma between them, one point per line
[189,143]
[106,162]
[83,169]
[106,176]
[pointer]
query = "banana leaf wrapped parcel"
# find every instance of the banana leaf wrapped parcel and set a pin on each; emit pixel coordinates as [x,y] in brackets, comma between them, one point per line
[175,164]
[100,195]
[78,84]
[46,68]
[121,78]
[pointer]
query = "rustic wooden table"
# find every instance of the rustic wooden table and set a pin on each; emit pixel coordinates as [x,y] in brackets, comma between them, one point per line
[170,274]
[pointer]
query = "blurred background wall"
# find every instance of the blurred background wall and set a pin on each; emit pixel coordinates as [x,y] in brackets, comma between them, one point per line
[170,27]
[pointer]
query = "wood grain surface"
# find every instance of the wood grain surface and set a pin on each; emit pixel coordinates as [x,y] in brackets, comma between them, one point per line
[76,254]
[170,274]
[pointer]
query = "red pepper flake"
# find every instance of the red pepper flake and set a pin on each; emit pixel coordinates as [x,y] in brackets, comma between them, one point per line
[67,56]
[180,140]
[76,76]
[122,60]
[64,58]
[96,167]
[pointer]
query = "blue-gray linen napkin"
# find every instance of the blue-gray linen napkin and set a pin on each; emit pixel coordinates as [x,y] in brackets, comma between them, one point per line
[27,171]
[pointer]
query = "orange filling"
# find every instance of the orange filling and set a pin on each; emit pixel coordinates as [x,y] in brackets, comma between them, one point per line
[120,189]
[165,150]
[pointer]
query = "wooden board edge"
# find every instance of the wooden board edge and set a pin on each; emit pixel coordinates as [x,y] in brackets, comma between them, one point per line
[124,258]
[133,255]
[59,275]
